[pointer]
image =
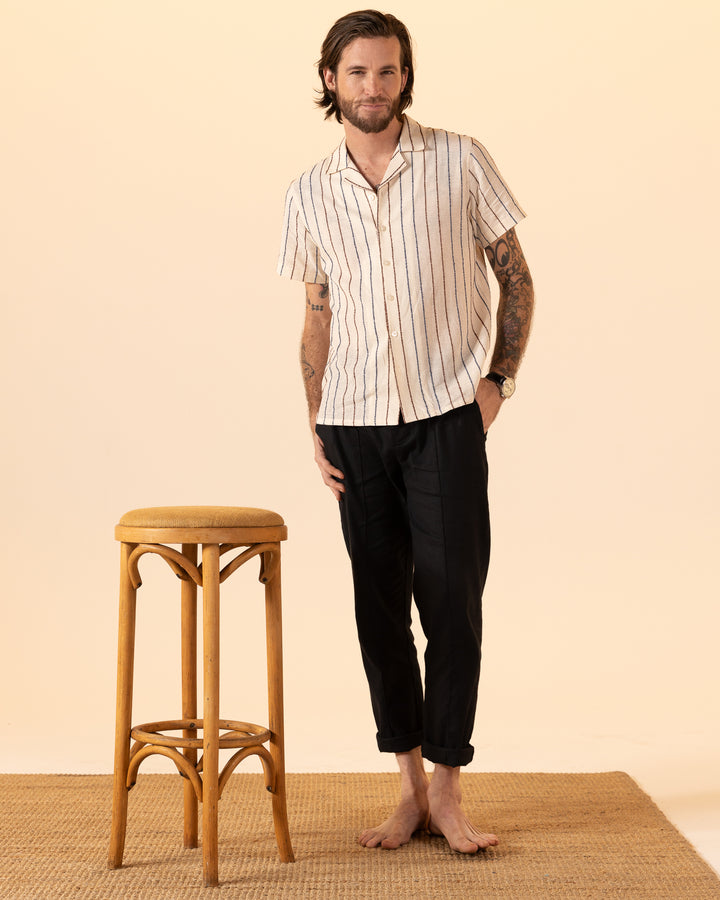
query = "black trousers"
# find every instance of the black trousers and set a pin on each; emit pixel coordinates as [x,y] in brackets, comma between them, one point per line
[415,521]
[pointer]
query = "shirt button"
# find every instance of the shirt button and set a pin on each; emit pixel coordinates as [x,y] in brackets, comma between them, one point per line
[393,334]
[390,298]
[383,228]
[386,262]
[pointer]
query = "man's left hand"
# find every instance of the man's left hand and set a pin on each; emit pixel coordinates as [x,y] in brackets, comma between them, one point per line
[489,400]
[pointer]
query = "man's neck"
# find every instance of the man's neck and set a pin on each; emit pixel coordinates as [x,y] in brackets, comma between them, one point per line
[369,147]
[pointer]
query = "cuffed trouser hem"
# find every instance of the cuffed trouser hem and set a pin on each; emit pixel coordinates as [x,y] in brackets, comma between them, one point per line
[446,757]
[401,744]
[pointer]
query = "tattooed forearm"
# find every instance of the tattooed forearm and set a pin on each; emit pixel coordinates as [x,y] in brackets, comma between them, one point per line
[313,357]
[307,369]
[516,303]
[513,330]
[315,345]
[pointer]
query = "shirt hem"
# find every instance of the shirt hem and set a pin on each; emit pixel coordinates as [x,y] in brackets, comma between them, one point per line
[408,417]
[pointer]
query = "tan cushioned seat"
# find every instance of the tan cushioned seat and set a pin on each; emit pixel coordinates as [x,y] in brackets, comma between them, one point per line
[201,517]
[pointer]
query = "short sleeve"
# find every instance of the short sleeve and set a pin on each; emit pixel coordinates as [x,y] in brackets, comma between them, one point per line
[299,255]
[494,210]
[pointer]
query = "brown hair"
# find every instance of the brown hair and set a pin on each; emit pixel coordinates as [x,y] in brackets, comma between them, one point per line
[365,23]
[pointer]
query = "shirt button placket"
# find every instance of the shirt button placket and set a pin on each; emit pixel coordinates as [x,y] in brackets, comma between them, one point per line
[386,256]
[391,301]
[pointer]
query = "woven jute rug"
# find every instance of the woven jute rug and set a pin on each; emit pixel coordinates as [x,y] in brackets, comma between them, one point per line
[572,836]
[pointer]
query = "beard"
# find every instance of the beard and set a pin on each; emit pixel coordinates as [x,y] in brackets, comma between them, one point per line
[369,122]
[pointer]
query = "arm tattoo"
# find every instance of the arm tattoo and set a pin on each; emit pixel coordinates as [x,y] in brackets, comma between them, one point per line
[516,303]
[318,307]
[307,369]
[501,257]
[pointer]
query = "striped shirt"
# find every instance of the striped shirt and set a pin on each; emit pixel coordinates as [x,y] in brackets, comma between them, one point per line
[408,286]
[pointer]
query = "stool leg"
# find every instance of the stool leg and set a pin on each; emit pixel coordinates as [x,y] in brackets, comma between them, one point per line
[123,713]
[211,711]
[188,599]
[273,619]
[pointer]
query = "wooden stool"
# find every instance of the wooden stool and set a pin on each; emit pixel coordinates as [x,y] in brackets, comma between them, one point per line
[218,529]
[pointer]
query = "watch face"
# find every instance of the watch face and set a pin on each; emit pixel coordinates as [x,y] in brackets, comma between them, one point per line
[508,388]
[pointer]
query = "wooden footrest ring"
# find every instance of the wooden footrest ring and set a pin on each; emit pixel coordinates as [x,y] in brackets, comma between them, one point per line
[237,734]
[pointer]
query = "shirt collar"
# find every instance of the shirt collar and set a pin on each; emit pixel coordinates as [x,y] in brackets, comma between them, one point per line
[411,140]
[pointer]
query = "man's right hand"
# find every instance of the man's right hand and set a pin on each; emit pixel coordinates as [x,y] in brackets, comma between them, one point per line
[330,475]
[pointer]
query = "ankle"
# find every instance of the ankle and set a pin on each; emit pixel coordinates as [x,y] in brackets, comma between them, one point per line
[413,777]
[445,780]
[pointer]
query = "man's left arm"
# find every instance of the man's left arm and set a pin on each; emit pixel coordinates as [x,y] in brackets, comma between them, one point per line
[514,316]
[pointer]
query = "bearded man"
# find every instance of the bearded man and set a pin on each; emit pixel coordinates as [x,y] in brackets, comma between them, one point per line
[391,234]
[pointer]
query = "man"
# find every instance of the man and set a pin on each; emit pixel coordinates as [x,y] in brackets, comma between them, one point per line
[390,235]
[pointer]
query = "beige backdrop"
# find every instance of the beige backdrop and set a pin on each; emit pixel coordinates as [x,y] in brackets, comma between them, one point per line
[149,357]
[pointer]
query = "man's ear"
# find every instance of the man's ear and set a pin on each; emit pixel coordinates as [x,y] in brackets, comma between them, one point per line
[329,79]
[404,78]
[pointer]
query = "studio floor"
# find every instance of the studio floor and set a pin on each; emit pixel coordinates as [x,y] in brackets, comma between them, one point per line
[573,836]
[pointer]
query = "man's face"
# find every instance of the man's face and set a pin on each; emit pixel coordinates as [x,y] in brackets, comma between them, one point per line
[368,83]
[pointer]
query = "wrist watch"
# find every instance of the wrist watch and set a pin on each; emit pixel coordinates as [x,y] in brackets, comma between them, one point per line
[506,385]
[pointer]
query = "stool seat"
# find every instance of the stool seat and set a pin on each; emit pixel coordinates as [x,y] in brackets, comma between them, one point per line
[201,517]
[201,524]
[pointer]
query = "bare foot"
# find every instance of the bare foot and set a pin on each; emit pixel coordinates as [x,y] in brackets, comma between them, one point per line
[410,816]
[448,819]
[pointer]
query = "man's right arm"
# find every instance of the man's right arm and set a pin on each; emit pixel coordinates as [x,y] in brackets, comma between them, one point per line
[315,345]
[314,351]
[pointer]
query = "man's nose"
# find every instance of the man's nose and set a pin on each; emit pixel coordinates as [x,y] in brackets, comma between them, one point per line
[371,84]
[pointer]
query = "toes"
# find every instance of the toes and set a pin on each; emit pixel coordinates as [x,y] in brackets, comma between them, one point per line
[375,838]
[369,839]
[390,843]
[489,840]
[379,838]
[481,839]
[474,842]
[465,846]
